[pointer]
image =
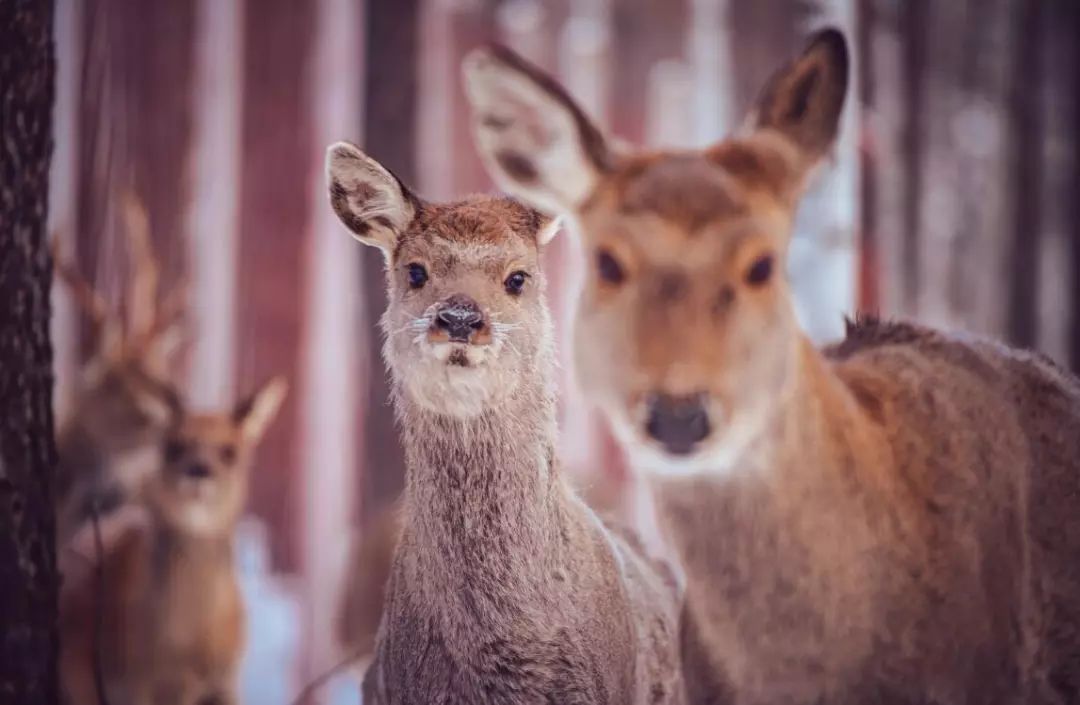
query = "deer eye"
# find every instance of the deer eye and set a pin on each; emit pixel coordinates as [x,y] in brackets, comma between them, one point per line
[228,454]
[174,450]
[609,268]
[760,271]
[418,276]
[515,283]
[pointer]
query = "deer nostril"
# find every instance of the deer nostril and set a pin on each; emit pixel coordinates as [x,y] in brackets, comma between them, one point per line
[198,471]
[679,423]
[460,317]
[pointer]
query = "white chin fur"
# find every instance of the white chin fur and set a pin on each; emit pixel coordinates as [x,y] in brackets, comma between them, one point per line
[443,387]
[475,354]
[199,519]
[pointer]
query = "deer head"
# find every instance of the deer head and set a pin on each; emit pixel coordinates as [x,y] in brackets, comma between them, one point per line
[125,399]
[685,334]
[203,482]
[465,318]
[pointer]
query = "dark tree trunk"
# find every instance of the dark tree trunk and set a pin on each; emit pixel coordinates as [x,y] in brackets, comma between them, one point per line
[1027,170]
[28,580]
[1074,325]
[389,136]
[913,32]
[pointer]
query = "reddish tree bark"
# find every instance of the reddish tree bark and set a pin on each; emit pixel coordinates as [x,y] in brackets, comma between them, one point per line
[135,128]
[389,135]
[275,199]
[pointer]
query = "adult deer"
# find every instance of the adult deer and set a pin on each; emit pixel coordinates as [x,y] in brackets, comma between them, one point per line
[891,519]
[124,401]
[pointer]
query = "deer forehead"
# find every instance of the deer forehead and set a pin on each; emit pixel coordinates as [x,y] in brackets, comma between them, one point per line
[685,189]
[462,252]
[686,208]
[647,242]
[209,429]
[480,219]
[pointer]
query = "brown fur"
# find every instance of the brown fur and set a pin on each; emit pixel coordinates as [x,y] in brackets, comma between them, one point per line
[371,560]
[124,400]
[172,620]
[505,587]
[890,520]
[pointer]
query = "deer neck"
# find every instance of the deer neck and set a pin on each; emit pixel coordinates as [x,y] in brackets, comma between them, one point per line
[813,418]
[483,507]
[814,453]
[181,558]
[821,431]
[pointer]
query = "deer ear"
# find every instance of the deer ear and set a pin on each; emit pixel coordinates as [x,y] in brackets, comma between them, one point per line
[254,414]
[803,100]
[368,199]
[548,229]
[535,141]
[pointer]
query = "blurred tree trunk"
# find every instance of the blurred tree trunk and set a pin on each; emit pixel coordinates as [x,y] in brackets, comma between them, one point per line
[646,33]
[389,136]
[868,291]
[277,162]
[1072,23]
[135,125]
[912,27]
[1027,171]
[28,581]
[938,217]
[966,207]
[880,117]
[1060,65]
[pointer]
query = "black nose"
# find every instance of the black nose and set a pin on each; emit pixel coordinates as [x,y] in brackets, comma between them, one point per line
[197,470]
[678,422]
[460,317]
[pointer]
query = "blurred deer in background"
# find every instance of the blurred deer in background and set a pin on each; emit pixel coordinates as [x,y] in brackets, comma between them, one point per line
[168,623]
[124,400]
[504,587]
[894,519]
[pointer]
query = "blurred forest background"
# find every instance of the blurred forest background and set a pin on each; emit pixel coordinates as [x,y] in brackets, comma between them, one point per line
[953,197]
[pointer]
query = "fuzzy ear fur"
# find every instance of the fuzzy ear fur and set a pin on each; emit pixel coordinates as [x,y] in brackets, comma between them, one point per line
[535,141]
[549,228]
[369,200]
[253,414]
[803,101]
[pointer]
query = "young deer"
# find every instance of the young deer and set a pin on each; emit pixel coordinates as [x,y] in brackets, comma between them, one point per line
[892,519]
[171,617]
[505,587]
[110,441]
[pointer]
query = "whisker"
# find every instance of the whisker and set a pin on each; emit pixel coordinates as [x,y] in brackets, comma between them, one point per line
[400,330]
[505,340]
[413,325]
[503,328]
